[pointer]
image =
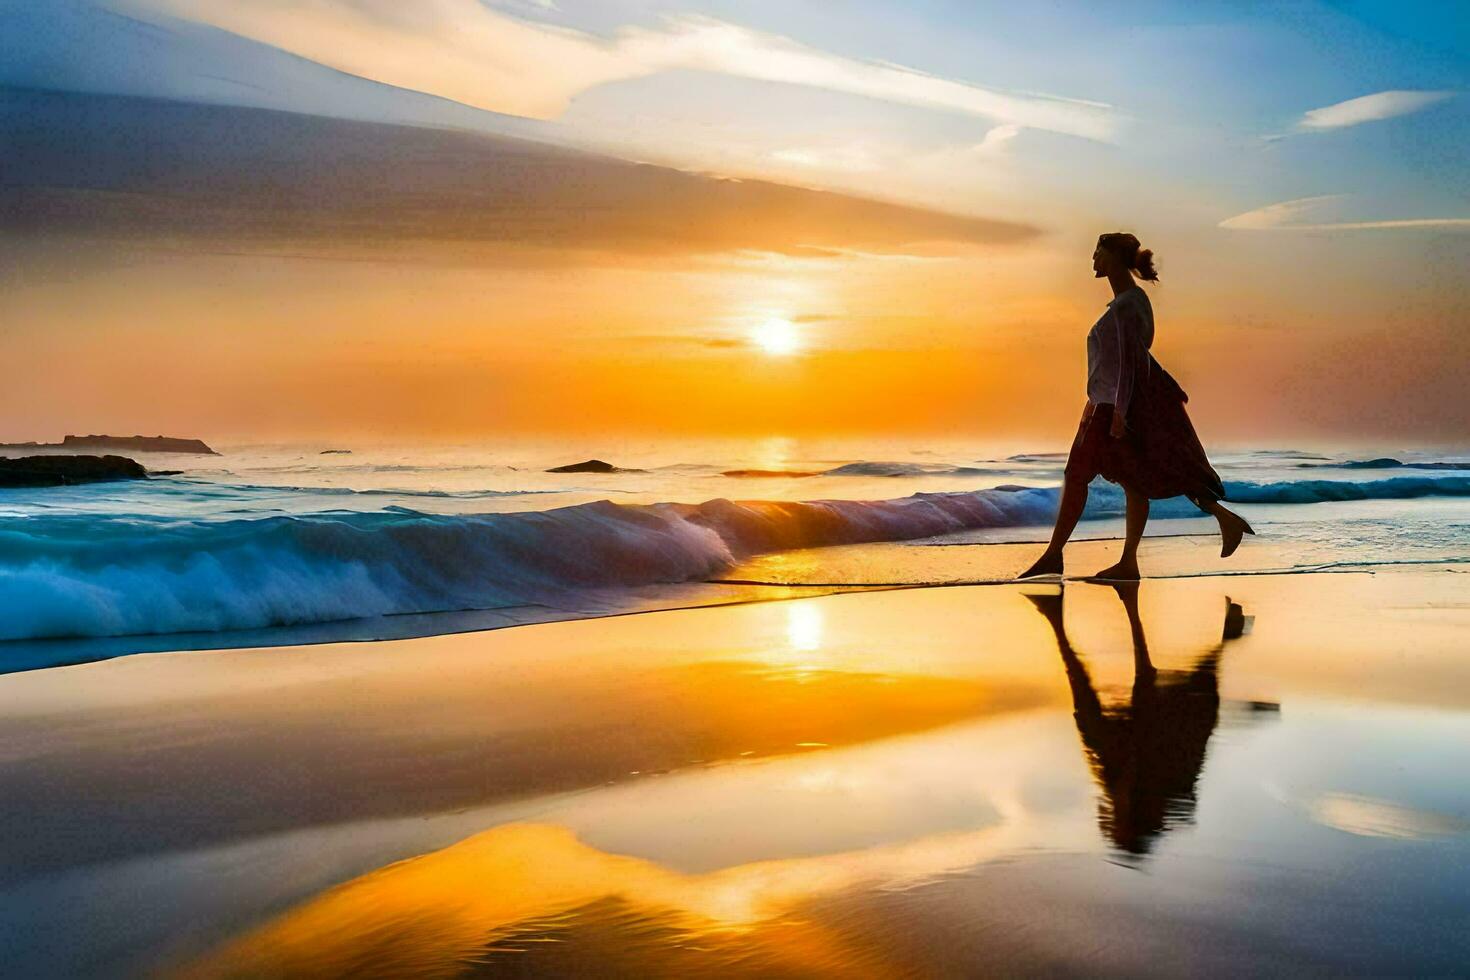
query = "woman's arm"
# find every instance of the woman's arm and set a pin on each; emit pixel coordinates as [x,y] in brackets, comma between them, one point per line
[1125,335]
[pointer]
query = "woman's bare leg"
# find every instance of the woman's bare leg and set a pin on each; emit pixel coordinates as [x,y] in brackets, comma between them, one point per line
[1126,568]
[1069,512]
[1232,525]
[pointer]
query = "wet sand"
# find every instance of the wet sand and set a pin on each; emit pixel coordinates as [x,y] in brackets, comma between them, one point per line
[1244,775]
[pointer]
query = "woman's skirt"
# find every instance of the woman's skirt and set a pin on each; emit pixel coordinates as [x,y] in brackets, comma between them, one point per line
[1159,454]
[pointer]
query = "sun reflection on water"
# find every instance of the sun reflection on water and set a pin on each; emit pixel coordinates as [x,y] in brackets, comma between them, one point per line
[804,625]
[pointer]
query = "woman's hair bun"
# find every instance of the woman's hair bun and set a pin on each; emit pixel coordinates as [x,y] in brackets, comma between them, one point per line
[1144,265]
[1125,246]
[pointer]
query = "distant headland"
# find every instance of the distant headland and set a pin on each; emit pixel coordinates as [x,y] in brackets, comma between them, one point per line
[137,444]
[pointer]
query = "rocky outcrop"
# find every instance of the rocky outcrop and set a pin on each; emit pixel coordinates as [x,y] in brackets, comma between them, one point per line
[140,444]
[59,471]
[591,466]
[135,444]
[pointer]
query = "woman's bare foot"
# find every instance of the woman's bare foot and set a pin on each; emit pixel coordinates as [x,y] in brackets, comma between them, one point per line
[1232,528]
[1123,571]
[1050,563]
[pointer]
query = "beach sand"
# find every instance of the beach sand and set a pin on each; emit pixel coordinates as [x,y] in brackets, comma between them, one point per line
[977,779]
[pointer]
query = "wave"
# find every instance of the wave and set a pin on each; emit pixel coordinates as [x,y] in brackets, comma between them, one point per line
[84,575]
[349,492]
[769,474]
[1388,463]
[874,468]
[1287,454]
[1322,491]
[867,468]
[118,575]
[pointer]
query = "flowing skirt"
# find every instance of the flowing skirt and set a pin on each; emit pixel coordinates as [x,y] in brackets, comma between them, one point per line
[1158,456]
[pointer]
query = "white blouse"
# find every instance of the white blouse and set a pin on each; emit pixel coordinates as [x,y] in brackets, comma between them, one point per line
[1117,349]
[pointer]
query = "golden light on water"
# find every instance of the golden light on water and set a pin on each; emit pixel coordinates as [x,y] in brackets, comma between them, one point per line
[431,914]
[776,336]
[804,625]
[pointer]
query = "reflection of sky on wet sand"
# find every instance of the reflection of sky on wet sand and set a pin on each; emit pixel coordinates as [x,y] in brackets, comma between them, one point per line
[736,848]
[1368,817]
[768,866]
[744,863]
[858,784]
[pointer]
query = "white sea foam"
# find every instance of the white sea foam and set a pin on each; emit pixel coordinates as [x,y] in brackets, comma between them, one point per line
[73,575]
[76,574]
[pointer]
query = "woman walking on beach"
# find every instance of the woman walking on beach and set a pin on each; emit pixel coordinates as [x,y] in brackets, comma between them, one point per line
[1134,431]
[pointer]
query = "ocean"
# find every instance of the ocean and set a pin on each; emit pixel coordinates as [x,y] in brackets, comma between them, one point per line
[1247,766]
[277,544]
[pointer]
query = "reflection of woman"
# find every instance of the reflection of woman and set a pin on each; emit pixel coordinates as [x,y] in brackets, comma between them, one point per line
[1147,756]
[1134,430]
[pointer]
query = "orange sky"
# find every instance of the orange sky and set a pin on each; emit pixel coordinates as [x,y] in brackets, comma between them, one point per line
[983,344]
[237,274]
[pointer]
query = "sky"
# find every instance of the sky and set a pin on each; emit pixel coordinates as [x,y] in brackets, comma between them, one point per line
[457,219]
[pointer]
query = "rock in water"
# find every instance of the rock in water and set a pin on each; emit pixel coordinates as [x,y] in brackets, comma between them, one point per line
[58,471]
[590,466]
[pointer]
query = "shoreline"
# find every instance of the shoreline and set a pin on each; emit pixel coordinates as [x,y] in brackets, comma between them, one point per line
[234,793]
[1169,548]
[209,564]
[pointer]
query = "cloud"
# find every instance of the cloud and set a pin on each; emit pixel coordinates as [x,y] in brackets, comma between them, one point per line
[471,53]
[996,138]
[1289,215]
[875,158]
[1369,108]
[847,158]
[119,168]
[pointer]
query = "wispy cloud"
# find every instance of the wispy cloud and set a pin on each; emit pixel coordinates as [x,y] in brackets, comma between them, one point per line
[471,53]
[870,157]
[849,158]
[997,138]
[1290,215]
[1369,108]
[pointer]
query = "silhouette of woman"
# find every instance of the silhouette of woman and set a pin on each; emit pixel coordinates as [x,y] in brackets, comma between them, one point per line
[1134,430]
[1146,757]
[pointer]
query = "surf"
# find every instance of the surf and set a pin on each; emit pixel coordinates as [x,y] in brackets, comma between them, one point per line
[109,575]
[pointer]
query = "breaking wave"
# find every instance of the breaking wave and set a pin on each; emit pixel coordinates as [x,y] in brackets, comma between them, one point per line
[116,575]
[76,575]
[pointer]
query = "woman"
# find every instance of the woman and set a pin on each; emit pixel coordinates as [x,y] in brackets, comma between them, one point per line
[1135,431]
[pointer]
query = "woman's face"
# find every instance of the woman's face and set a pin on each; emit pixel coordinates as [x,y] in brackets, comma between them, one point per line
[1102,262]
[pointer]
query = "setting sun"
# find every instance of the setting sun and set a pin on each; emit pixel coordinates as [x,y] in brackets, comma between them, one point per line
[776,336]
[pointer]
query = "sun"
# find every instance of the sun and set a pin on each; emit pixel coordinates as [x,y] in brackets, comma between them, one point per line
[776,336]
